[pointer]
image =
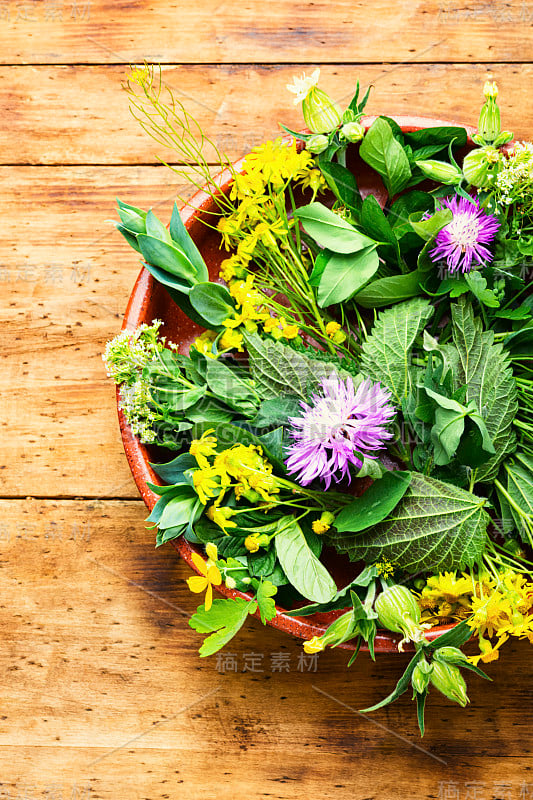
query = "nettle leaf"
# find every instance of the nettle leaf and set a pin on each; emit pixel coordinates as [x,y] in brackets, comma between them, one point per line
[387,351]
[520,490]
[223,620]
[267,607]
[386,155]
[303,569]
[276,411]
[278,369]
[436,526]
[485,370]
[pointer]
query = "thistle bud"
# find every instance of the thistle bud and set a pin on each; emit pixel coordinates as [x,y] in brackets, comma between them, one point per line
[317,143]
[440,171]
[321,114]
[353,131]
[398,611]
[448,680]
[450,655]
[478,166]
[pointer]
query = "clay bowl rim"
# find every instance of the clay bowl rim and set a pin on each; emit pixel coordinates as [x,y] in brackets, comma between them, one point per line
[137,455]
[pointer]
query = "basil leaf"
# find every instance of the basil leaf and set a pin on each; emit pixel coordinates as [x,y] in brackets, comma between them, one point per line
[342,183]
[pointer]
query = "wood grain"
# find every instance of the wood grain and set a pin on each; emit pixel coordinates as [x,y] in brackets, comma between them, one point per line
[103,686]
[79,115]
[90,31]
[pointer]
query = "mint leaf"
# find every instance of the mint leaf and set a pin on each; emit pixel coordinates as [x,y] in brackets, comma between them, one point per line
[223,620]
[278,369]
[436,526]
[387,350]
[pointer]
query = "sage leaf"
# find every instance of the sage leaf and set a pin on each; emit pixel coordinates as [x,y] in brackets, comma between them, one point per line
[303,569]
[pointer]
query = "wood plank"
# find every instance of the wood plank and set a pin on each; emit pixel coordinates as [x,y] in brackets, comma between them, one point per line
[65,283]
[79,115]
[103,687]
[96,31]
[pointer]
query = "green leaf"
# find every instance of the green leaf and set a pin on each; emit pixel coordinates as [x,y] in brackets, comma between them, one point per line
[184,242]
[267,607]
[173,471]
[401,686]
[164,255]
[213,302]
[342,597]
[375,503]
[389,290]
[478,286]
[278,369]
[440,135]
[224,619]
[345,274]
[227,384]
[456,637]
[406,205]
[520,490]
[427,229]
[276,411]
[387,350]
[383,153]
[485,370]
[342,183]
[178,510]
[330,230]
[436,526]
[303,569]
[155,228]
[420,706]
[377,225]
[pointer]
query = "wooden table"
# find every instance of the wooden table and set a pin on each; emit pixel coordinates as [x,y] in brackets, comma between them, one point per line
[104,695]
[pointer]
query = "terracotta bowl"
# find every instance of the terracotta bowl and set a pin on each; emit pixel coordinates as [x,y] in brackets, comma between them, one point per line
[149,301]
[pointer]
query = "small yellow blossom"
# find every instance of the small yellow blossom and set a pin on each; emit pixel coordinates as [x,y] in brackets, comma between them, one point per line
[323,523]
[203,448]
[332,328]
[251,543]
[314,645]
[205,483]
[210,575]
[231,340]
[204,344]
[221,516]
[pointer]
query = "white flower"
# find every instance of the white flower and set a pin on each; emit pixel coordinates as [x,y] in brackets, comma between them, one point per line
[302,86]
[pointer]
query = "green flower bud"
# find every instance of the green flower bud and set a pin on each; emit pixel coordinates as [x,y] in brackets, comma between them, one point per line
[448,680]
[231,583]
[421,676]
[353,131]
[349,116]
[398,611]
[479,165]
[340,630]
[503,138]
[450,655]
[489,124]
[317,143]
[440,171]
[321,114]
[477,139]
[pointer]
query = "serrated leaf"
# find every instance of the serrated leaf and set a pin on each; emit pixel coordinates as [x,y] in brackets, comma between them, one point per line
[223,620]
[436,526]
[278,369]
[387,350]
[303,569]
[485,370]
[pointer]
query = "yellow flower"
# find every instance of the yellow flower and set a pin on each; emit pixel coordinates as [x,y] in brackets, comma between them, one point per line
[314,180]
[231,340]
[290,331]
[323,523]
[210,575]
[314,645]
[332,328]
[246,466]
[488,651]
[205,483]
[247,184]
[447,586]
[221,516]
[204,344]
[490,613]
[251,543]
[385,568]
[228,228]
[231,268]
[245,292]
[203,448]
[269,232]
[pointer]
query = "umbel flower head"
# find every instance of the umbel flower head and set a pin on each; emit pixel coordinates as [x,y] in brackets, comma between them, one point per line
[339,427]
[462,242]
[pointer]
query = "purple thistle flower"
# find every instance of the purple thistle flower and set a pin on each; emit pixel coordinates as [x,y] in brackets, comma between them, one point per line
[462,241]
[338,428]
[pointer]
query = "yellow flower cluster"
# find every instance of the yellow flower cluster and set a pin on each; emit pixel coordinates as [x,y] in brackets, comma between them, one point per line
[279,328]
[493,607]
[250,308]
[257,193]
[240,467]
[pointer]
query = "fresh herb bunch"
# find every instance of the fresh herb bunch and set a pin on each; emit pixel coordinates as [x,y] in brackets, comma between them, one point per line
[347,339]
